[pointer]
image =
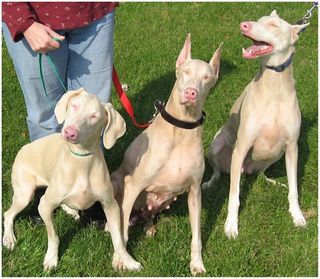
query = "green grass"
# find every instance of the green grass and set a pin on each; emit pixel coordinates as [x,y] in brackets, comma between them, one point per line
[148,39]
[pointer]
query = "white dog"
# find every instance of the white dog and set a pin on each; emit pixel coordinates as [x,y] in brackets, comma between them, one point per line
[73,167]
[265,121]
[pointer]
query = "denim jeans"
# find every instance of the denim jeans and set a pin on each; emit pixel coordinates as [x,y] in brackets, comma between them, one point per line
[84,59]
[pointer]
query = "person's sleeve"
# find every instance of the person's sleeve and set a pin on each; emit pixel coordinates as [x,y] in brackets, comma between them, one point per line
[18,17]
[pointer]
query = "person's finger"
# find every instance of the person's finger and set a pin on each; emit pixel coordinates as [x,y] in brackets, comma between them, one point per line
[54,34]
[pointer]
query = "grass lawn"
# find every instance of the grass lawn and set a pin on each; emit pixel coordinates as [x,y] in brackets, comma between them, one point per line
[148,39]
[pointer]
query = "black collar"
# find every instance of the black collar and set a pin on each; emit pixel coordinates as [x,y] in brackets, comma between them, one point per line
[160,107]
[283,66]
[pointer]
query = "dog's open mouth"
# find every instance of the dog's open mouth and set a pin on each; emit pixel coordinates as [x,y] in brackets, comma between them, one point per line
[257,49]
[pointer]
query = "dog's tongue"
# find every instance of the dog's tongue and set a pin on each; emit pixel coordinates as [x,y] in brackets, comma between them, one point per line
[257,49]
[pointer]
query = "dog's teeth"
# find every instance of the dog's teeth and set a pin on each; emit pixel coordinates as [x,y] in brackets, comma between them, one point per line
[175,198]
[243,50]
[156,198]
[168,206]
[149,207]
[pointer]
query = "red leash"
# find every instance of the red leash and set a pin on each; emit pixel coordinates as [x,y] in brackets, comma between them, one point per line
[124,99]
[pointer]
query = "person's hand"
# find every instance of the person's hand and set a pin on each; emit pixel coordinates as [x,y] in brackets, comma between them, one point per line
[40,37]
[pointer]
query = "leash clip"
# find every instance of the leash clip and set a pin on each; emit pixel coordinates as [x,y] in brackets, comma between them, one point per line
[158,106]
[307,15]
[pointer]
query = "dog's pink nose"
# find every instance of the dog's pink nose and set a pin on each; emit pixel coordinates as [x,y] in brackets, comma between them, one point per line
[245,26]
[190,93]
[70,133]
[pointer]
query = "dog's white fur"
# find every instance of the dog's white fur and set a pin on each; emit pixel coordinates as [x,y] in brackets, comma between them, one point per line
[264,122]
[72,180]
[165,161]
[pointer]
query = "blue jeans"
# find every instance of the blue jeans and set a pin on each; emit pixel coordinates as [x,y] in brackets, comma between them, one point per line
[84,59]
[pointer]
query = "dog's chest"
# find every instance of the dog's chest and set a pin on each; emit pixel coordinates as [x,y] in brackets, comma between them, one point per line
[178,171]
[81,196]
[275,130]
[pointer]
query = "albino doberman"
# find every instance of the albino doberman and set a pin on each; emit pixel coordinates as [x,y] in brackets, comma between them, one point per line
[72,165]
[167,158]
[264,122]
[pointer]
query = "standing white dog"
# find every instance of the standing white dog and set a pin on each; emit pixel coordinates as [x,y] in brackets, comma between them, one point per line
[73,167]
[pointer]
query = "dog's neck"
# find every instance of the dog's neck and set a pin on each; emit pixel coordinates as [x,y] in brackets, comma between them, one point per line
[81,150]
[182,112]
[269,79]
[275,60]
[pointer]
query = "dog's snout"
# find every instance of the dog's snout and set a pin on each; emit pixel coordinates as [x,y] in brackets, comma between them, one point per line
[190,93]
[70,133]
[245,26]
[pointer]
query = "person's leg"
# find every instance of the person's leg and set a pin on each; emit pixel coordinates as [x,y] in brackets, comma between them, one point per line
[91,57]
[40,108]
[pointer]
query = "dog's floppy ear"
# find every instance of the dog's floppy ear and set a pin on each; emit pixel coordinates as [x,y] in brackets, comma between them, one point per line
[295,31]
[185,53]
[61,107]
[215,60]
[116,126]
[274,13]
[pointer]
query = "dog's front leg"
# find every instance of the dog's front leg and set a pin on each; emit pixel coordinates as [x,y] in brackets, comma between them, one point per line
[291,167]
[238,155]
[46,207]
[121,258]
[194,204]
[130,193]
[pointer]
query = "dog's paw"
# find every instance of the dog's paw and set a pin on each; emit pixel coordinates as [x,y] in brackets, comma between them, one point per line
[9,240]
[106,227]
[50,262]
[197,267]
[150,230]
[298,218]
[74,213]
[125,263]
[206,185]
[231,227]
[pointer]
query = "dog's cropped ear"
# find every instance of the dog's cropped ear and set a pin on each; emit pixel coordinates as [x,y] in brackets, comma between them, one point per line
[116,126]
[215,60]
[295,31]
[274,13]
[185,52]
[61,107]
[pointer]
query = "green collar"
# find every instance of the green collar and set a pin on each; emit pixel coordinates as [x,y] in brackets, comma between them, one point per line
[80,154]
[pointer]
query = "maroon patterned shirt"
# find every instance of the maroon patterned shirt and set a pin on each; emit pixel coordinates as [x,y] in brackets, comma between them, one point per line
[18,16]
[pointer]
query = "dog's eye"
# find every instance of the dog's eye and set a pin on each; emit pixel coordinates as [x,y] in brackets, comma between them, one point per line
[186,71]
[93,116]
[273,24]
[207,77]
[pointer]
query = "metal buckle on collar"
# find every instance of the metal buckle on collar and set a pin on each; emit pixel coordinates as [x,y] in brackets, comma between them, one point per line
[158,106]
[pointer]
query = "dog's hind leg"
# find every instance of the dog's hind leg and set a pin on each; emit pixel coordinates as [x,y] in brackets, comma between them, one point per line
[219,157]
[21,198]
[272,181]
[215,176]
